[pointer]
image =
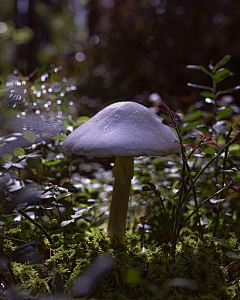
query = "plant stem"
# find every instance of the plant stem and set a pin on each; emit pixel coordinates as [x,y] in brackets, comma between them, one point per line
[195,201]
[210,197]
[15,240]
[36,224]
[123,173]
[207,165]
[196,178]
[223,178]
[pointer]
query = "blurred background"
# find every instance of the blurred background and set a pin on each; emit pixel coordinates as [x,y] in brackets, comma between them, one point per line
[121,49]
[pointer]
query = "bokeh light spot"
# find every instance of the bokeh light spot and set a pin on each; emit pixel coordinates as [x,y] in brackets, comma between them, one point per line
[80,56]
[3,27]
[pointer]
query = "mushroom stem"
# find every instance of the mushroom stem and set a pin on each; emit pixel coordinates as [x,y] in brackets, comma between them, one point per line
[123,173]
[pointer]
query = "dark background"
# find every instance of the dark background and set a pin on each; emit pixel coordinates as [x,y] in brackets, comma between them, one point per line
[122,49]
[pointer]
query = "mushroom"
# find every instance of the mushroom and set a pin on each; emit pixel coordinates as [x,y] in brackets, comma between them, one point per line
[124,130]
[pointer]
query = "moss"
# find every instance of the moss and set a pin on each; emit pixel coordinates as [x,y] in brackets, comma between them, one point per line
[202,265]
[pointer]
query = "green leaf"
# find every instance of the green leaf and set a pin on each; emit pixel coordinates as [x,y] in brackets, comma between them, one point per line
[194,116]
[222,62]
[82,119]
[235,148]
[52,163]
[190,207]
[174,185]
[198,86]
[133,276]
[63,195]
[221,74]
[58,137]
[236,88]
[209,150]
[18,151]
[216,240]
[208,95]
[68,121]
[29,135]
[6,157]
[223,113]
[198,67]
[232,255]
[189,126]
[81,212]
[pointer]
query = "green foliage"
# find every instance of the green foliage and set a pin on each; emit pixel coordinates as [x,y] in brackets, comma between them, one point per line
[183,235]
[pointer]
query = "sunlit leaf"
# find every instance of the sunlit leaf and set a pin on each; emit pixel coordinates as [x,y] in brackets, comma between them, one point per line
[65,223]
[199,154]
[229,171]
[36,154]
[198,67]
[18,165]
[71,188]
[220,128]
[228,91]
[216,200]
[81,212]
[198,86]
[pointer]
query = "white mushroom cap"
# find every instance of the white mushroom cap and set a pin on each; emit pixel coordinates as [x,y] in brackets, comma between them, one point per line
[123,129]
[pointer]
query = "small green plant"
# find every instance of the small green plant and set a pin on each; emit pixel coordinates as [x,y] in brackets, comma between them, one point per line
[227,135]
[182,239]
